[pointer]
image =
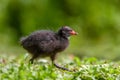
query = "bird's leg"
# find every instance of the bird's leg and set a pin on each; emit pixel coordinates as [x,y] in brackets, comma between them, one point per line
[56,65]
[32,59]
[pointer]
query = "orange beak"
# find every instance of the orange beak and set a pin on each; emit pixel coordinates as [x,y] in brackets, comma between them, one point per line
[73,32]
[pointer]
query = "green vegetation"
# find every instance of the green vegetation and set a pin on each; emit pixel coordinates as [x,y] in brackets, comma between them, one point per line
[86,69]
[96,21]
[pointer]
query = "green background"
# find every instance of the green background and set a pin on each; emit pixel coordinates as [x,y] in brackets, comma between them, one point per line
[96,21]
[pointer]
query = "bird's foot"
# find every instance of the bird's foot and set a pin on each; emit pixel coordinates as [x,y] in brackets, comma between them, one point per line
[60,67]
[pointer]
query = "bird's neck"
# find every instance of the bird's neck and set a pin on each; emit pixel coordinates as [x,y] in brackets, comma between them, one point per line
[63,37]
[63,42]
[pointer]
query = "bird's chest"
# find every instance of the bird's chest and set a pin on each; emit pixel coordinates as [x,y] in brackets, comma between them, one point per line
[62,45]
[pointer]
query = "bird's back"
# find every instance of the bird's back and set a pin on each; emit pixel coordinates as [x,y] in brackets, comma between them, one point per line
[39,42]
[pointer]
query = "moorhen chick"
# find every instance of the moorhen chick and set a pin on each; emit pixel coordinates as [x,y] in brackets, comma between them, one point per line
[46,43]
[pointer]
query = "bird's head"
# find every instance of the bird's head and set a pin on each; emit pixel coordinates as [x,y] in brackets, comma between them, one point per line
[66,31]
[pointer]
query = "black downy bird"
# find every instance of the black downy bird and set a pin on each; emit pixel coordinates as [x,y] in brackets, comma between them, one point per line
[46,43]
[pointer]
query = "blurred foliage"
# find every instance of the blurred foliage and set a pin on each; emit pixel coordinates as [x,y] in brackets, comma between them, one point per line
[87,69]
[96,21]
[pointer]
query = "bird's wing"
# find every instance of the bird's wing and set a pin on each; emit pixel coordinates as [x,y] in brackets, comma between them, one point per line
[48,43]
